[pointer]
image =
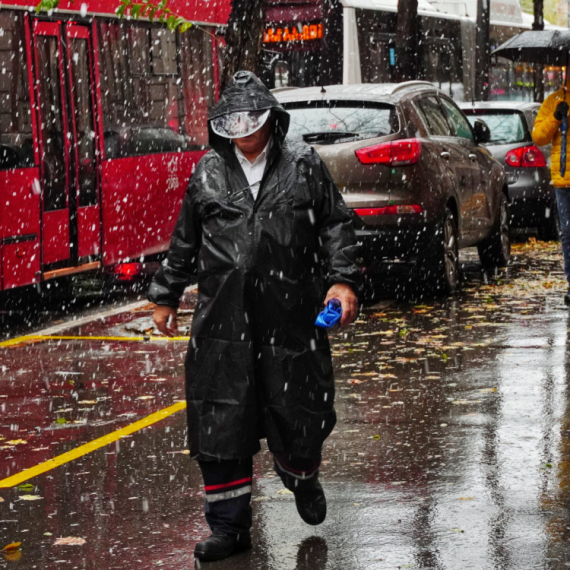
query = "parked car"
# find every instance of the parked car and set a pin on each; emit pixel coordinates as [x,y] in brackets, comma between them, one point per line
[412,170]
[532,200]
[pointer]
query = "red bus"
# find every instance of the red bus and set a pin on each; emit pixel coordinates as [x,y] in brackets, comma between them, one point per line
[101,123]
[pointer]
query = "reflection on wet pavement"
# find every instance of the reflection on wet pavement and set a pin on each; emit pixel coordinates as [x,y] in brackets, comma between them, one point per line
[452,448]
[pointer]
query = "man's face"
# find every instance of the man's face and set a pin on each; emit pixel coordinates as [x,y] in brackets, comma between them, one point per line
[255,143]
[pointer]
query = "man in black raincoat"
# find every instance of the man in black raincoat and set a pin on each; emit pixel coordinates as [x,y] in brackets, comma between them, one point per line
[267,236]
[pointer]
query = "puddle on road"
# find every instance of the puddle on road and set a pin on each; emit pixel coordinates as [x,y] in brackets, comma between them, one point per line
[451,450]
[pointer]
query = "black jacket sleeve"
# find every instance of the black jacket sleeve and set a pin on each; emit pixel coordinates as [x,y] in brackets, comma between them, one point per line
[180,266]
[336,233]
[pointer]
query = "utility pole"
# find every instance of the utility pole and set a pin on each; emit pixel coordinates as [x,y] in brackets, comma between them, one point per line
[407,41]
[538,24]
[482,50]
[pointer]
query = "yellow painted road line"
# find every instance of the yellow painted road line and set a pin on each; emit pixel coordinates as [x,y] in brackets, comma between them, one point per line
[89,447]
[39,338]
[17,340]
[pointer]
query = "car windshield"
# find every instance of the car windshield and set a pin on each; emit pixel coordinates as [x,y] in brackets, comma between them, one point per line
[506,126]
[340,121]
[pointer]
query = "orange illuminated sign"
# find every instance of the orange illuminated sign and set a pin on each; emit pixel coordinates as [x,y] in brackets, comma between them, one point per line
[307,32]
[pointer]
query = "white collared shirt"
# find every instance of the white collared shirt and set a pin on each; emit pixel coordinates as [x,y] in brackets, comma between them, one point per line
[254,170]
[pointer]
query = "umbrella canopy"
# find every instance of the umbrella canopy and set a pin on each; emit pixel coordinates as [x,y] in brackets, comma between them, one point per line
[548,47]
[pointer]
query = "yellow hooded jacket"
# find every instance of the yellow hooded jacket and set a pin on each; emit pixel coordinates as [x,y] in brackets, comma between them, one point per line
[547,130]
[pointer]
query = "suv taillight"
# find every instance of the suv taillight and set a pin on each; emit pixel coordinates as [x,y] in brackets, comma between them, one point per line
[525,157]
[394,153]
[389,210]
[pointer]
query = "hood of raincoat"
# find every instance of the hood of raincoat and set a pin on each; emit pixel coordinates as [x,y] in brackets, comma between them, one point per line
[246,92]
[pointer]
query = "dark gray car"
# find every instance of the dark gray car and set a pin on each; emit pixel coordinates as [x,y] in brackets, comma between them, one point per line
[532,198]
[413,171]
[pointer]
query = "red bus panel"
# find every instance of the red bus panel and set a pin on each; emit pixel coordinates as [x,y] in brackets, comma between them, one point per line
[196,10]
[141,198]
[19,227]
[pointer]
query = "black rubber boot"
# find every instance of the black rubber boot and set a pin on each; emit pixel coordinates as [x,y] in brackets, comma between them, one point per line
[311,502]
[309,495]
[219,546]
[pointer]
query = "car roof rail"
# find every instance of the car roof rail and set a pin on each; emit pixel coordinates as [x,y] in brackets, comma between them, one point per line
[279,89]
[413,83]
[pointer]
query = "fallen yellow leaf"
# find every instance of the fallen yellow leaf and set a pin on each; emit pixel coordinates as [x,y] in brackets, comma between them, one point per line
[12,547]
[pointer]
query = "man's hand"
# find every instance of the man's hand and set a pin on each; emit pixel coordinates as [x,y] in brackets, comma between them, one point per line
[165,320]
[348,301]
[561,110]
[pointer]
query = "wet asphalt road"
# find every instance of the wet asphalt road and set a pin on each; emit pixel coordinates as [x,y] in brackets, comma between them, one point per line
[451,451]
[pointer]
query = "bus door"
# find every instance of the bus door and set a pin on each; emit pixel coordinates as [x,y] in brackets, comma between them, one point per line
[55,144]
[85,188]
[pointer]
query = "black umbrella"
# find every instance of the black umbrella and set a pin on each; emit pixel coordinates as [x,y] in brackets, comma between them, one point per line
[546,47]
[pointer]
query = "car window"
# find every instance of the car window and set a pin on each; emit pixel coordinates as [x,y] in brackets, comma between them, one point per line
[530,118]
[457,120]
[433,117]
[338,121]
[506,126]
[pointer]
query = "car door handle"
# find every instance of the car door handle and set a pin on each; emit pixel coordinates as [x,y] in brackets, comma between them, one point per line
[473,157]
[445,155]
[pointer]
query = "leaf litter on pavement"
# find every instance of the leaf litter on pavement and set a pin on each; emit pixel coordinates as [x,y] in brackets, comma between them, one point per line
[422,344]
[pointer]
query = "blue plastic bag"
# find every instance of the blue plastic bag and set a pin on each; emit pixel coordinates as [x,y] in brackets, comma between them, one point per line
[330,315]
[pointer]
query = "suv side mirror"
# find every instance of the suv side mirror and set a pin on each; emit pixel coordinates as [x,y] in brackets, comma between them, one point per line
[481,131]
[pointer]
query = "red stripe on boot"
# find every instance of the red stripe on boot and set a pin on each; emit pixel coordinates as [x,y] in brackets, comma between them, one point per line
[225,485]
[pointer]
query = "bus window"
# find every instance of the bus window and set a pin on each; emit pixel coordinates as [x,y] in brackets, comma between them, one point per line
[376,34]
[139,62]
[163,49]
[51,124]
[16,142]
[153,104]
[442,59]
[81,92]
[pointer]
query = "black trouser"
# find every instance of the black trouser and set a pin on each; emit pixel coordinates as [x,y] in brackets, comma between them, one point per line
[228,488]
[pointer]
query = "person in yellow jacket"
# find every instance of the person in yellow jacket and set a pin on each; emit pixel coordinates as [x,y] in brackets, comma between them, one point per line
[547,130]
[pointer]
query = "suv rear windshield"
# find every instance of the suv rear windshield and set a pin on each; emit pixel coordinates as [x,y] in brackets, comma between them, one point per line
[506,126]
[329,122]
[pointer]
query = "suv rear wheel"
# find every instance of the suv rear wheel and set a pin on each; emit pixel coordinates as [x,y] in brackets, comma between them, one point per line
[495,251]
[441,267]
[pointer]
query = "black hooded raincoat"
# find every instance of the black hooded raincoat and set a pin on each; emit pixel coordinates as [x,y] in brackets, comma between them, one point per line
[257,366]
